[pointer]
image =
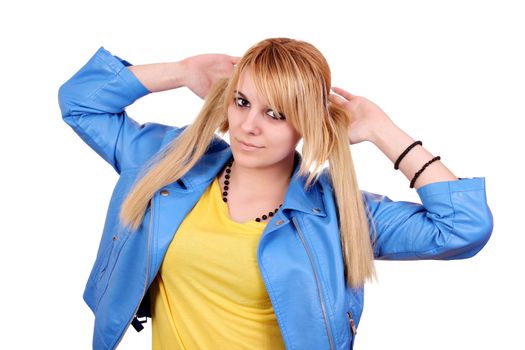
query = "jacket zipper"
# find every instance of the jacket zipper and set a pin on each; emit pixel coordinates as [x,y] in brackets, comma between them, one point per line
[147,277]
[352,323]
[317,281]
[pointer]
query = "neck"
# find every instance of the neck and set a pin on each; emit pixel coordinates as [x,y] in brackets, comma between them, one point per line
[258,183]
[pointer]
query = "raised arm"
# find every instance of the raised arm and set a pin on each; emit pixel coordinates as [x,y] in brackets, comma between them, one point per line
[370,123]
[197,73]
[94,99]
[453,221]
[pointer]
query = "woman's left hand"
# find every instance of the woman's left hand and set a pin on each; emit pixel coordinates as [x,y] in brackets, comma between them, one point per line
[366,118]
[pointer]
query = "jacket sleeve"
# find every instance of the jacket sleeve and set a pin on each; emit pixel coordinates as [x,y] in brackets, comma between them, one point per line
[92,102]
[453,222]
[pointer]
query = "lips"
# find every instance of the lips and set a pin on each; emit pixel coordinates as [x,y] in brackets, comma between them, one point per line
[248,144]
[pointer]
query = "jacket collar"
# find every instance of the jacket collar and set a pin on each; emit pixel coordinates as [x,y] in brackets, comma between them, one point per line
[296,198]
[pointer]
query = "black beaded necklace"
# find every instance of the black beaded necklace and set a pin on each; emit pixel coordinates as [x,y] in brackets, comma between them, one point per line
[225,193]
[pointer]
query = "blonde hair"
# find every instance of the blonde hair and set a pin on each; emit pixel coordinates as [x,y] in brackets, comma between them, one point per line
[294,78]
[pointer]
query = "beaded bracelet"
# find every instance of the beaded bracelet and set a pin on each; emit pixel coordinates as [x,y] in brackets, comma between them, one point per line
[396,165]
[422,169]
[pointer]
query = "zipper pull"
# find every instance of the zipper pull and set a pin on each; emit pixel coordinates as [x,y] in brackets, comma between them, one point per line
[352,323]
[137,323]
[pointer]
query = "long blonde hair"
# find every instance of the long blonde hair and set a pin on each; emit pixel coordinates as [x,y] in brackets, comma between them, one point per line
[294,78]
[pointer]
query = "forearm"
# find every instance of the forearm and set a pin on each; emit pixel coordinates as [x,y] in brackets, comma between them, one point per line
[392,141]
[160,76]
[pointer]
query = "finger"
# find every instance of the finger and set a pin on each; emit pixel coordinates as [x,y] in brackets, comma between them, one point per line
[235,59]
[343,93]
[337,99]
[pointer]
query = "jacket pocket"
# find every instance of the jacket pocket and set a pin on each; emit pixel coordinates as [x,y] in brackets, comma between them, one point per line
[108,264]
[104,264]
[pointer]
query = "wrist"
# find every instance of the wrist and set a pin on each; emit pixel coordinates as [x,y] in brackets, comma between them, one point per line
[381,130]
[179,73]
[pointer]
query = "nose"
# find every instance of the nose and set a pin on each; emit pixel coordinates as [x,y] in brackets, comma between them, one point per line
[250,123]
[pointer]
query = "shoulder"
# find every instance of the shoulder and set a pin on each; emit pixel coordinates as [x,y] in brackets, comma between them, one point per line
[325,181]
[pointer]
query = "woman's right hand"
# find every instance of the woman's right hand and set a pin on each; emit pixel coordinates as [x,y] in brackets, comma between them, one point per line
[202,71]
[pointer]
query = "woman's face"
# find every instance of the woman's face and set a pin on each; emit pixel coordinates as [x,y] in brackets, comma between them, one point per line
[251,120]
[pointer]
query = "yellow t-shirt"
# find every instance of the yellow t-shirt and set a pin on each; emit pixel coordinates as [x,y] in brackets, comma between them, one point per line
[209,293]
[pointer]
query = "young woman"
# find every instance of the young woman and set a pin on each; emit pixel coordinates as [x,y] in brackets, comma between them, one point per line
[253,245]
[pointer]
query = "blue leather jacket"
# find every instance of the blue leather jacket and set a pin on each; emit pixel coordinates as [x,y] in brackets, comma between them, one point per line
[299,252]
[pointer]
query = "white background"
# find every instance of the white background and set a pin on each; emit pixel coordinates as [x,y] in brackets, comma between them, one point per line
[449,73]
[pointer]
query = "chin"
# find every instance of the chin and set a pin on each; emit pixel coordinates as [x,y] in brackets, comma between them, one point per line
[248,160]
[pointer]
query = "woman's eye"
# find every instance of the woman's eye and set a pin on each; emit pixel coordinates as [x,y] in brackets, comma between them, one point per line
[275,115]
[241,102]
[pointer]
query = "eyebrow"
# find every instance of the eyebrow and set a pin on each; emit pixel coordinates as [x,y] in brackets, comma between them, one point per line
[246,98]
[240,93]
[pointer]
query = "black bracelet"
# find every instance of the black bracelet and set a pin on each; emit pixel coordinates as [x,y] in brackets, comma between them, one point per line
[396,165]
[422,169]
